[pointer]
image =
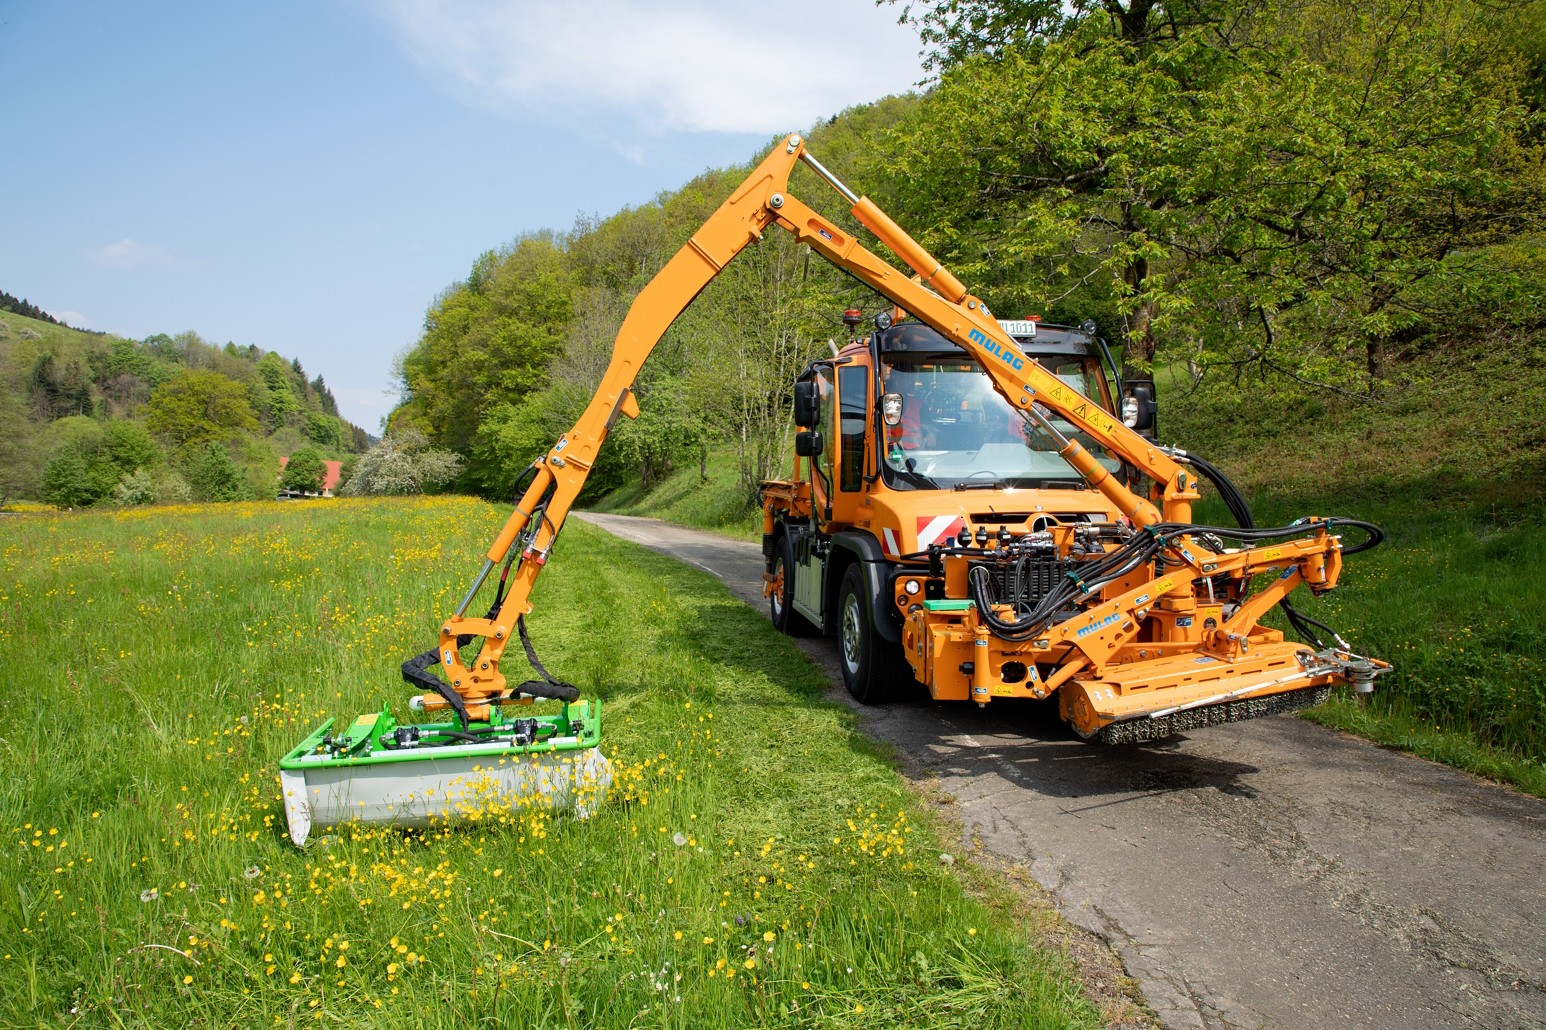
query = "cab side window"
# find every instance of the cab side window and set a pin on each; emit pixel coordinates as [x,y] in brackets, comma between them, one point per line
[853,404]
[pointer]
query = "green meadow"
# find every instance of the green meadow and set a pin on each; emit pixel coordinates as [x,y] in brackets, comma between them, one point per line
[756,864]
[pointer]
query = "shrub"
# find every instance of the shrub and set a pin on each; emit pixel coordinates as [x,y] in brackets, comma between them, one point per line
[135,488]
[402,463]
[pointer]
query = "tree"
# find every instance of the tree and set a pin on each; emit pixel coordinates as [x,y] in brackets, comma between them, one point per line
[212,475]
[323,429]
[128,446]
[275,392]
[1269,187]
[198,407]
[21,466]
[305,472]
[402,463]
[487,341]
[67,483]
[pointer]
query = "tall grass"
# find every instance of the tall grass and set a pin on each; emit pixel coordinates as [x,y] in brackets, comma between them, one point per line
[1448,459]
[757,863]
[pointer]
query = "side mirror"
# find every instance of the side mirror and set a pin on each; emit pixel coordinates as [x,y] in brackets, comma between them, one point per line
[807,444]
[1138,407]
[806,404]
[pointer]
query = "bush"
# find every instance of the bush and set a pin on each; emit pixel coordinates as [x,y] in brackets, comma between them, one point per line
[67,482]
[212,475]
[402,463]
[135,488]
[172,488]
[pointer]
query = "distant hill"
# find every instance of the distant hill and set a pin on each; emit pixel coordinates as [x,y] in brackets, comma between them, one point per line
[82,412]
[22,307]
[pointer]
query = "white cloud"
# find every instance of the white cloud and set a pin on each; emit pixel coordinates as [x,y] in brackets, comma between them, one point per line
[74,319]
[128,253]
[680,65]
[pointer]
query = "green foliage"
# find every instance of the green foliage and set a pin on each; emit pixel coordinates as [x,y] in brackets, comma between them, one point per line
[273,391]
[1274,187]
[128,446]
[324,429]
[487,341]
[52,375]
[212,475]
[402,463]
[21,464]
[135,488]
[197,408]
[304,472]
[67,482]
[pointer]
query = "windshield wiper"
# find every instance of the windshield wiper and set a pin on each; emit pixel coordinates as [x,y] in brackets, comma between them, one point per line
[980,484]
[917,479]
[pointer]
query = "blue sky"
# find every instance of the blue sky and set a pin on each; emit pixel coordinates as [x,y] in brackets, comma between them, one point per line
[308,176]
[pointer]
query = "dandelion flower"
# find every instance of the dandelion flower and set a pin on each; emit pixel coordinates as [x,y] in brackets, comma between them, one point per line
[972,932]
[252,872]
[768,936]
[148,895]
[679,838]
[947,860]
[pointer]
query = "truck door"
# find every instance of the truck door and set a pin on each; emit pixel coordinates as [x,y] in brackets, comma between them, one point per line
[854,397]
[810,572]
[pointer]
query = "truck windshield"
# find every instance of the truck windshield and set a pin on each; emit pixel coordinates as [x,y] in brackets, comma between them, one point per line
[957,432]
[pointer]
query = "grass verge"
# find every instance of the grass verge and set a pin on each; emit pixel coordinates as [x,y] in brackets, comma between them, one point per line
[759,863]
[703,497]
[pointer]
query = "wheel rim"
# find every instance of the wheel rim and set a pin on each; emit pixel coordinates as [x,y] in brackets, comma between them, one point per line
[853,628]
[778,588]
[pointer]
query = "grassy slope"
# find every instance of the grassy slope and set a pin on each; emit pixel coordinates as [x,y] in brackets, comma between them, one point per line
[1453,465]
[760,863]
[17,327]
[690,498]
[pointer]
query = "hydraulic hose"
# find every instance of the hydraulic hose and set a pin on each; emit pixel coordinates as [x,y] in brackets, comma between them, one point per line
[1235,501]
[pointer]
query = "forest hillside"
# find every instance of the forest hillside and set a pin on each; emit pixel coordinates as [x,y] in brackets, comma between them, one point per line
[1302,203]
[89,418]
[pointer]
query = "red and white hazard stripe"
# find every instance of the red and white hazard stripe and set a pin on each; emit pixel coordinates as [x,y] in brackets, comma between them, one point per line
[888,543]
[934,529]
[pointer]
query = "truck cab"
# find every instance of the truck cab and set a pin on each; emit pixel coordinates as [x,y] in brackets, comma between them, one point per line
[904,446]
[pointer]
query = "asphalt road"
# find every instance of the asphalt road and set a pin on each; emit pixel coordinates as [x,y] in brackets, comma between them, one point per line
[1263,874]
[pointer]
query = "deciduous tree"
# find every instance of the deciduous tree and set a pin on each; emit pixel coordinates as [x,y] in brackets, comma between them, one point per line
[199,407]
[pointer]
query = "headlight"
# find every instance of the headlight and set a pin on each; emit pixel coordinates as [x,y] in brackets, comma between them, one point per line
[912,586]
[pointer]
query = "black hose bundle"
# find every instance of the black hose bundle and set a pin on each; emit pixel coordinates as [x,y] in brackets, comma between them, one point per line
[1148,545]
[1235,501]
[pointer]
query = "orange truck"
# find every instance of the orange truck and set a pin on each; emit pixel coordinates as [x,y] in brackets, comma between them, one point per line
[946,535]
[970,509]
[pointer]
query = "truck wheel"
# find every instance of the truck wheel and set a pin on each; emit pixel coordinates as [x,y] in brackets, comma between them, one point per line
[871,667]
[785,618]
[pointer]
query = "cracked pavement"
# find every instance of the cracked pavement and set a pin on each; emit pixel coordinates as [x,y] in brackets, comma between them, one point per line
[1270,873]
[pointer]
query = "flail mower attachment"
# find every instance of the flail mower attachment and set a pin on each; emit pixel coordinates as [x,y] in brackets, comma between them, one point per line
[425,774]
[484,764]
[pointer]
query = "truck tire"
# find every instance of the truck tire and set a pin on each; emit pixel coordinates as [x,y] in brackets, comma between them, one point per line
[873,670]
[785,618]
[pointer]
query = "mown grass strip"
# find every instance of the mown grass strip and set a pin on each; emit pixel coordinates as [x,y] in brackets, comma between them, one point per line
[759,864]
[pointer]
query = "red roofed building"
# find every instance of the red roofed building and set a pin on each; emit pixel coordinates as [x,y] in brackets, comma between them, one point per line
[329,482]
